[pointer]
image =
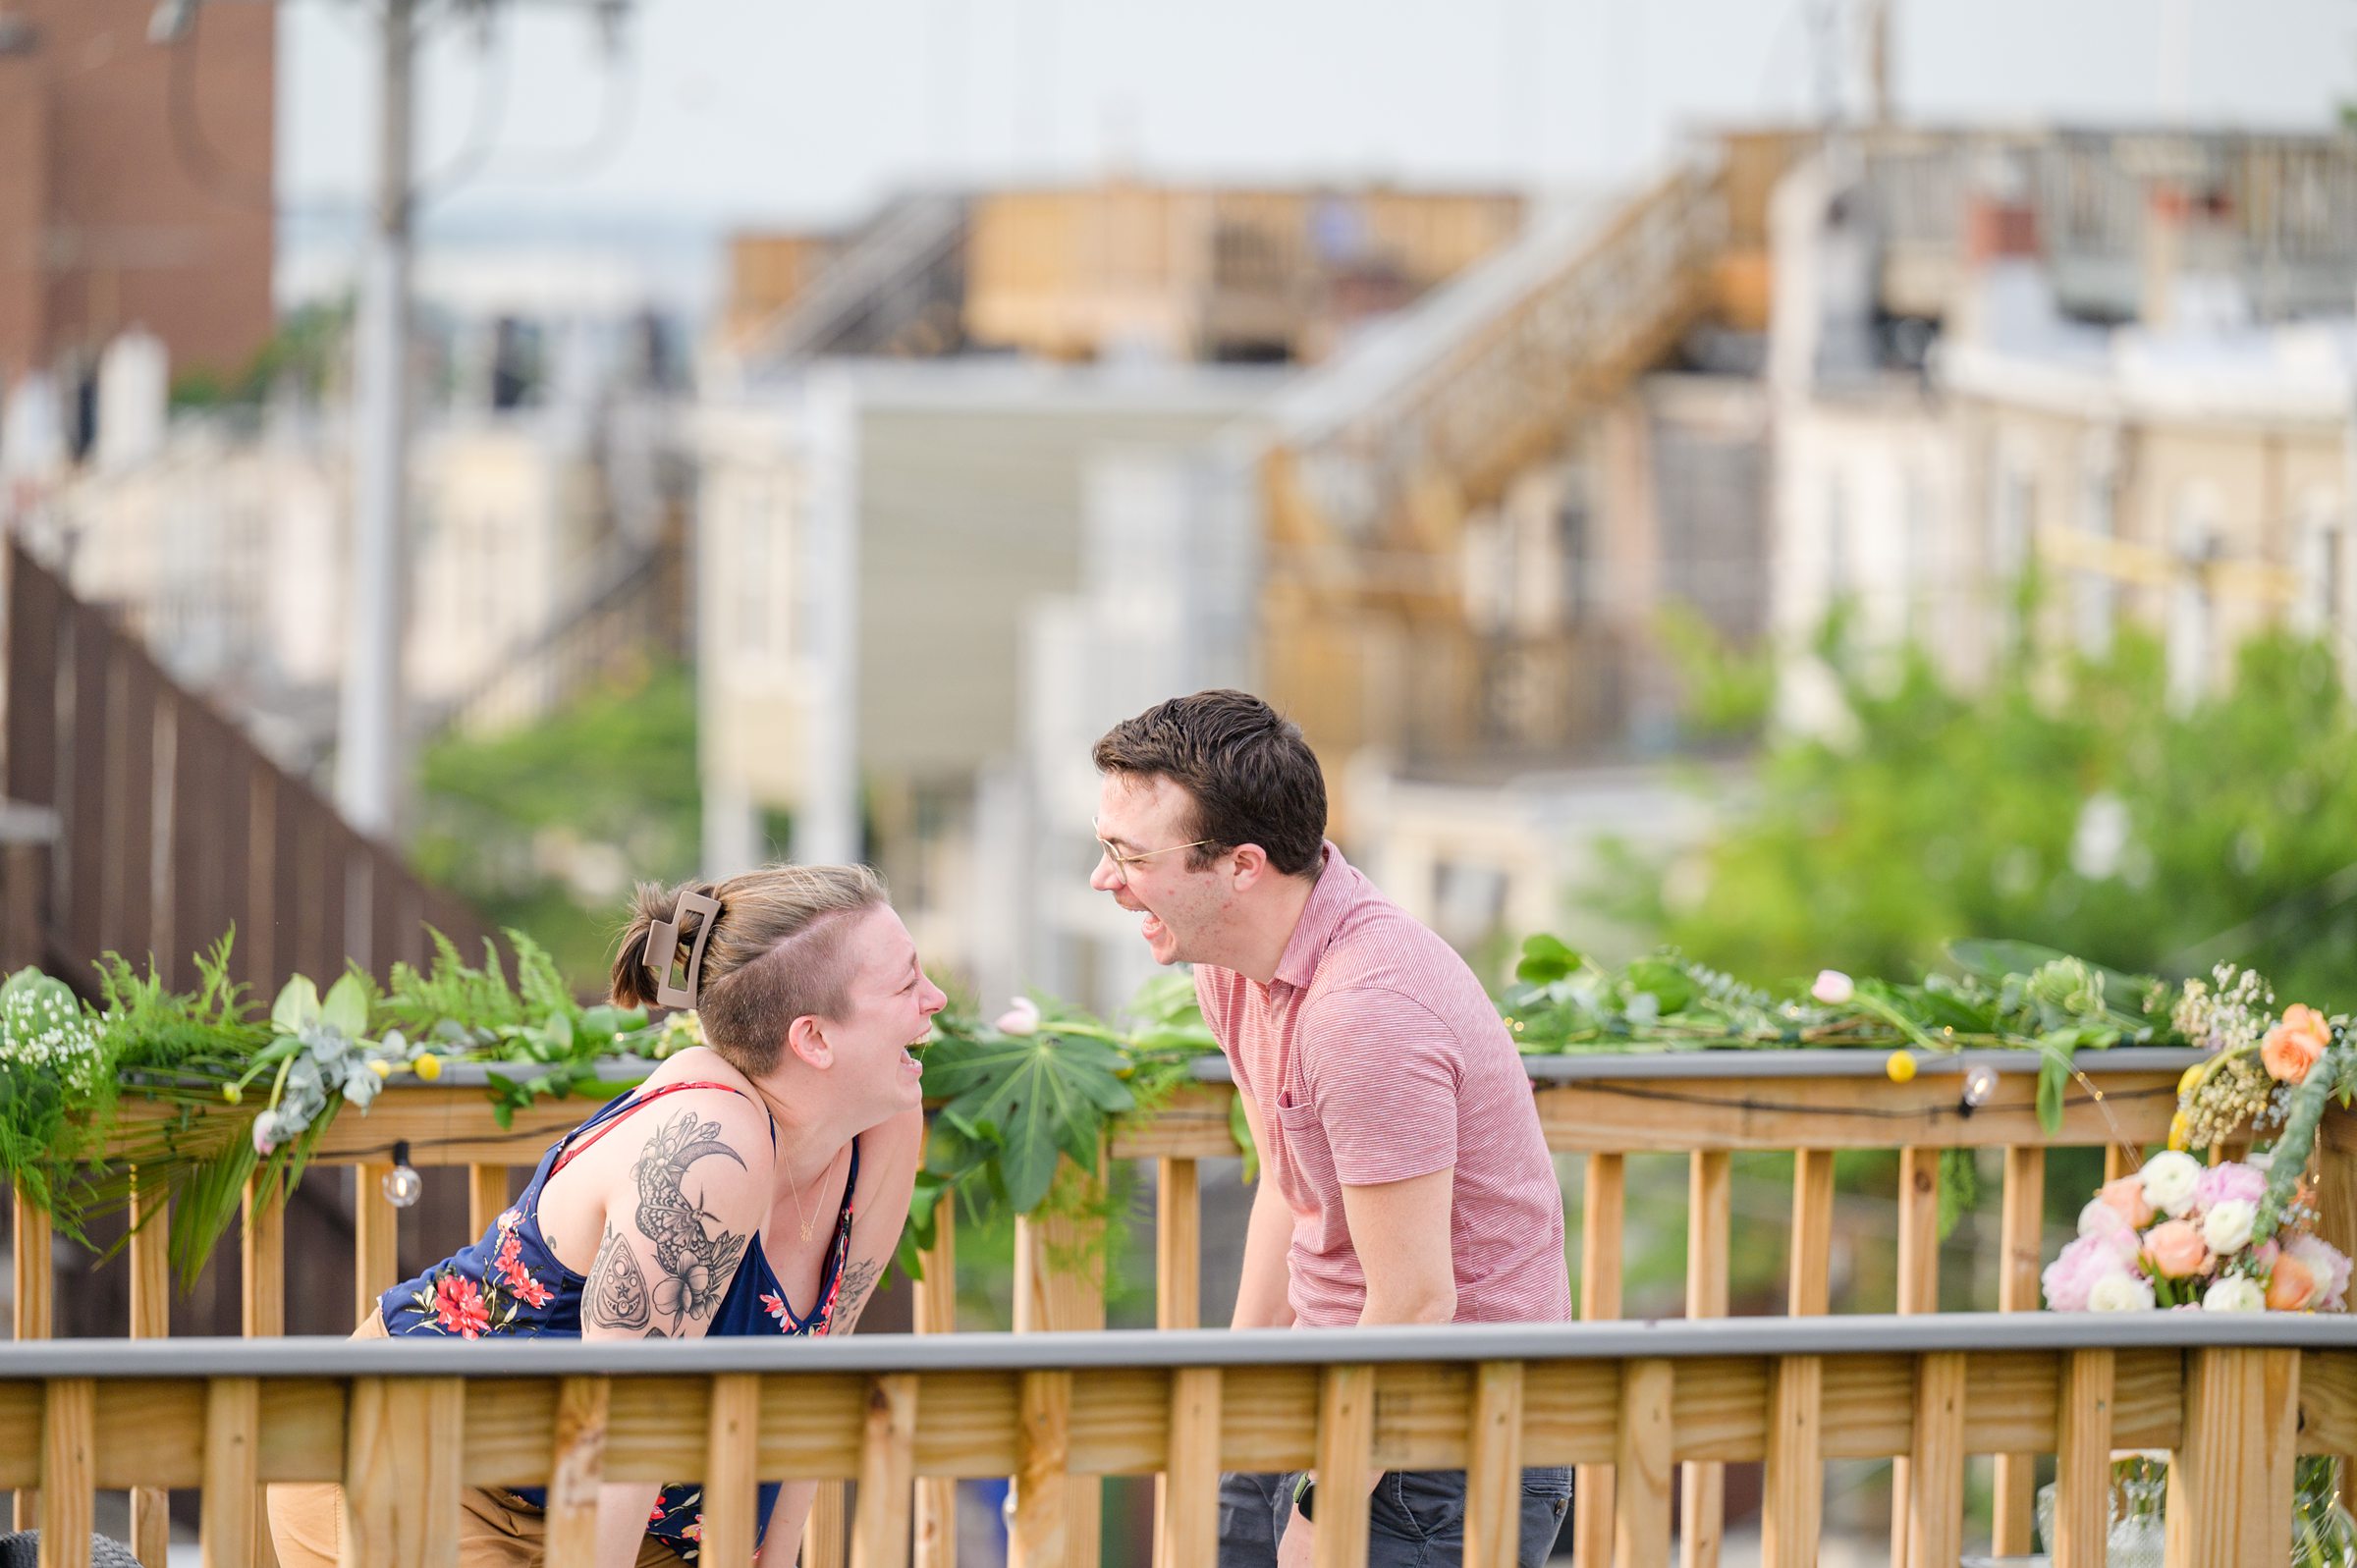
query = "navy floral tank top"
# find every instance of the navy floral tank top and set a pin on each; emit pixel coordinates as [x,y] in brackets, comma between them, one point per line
[511,1283]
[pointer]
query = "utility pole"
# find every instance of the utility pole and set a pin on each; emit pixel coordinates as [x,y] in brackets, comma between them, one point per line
[369,764]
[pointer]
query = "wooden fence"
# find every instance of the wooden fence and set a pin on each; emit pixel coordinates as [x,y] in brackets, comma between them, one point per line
[171,826]
[405,1427]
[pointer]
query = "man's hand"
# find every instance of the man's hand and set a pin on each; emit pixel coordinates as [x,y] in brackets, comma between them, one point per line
[1299,1547]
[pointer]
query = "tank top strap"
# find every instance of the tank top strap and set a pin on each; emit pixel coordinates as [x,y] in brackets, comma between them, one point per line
[597,1128]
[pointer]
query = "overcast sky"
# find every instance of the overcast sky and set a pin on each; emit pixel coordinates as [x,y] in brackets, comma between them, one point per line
[788,111]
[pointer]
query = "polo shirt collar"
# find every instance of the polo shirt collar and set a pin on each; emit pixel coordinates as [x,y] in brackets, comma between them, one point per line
[1329,896]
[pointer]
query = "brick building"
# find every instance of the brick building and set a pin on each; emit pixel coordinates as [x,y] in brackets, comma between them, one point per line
[134,183]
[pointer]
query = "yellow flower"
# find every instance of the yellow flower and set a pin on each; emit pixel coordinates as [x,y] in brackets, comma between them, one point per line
[2177,1131]
[1900,1066]
[232,1093]
[2191,1079]
[381,1068]
[427,1066]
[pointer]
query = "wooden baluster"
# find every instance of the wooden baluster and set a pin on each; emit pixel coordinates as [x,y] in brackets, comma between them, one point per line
[1641,1466]
[404,1440]
[486,1201]
[2229,1482]
[1346,1464]
[2021,1240]
[578,1468]
[2118,1160]
[1918,1291]
[1177,1270]
[150,1319]
[69,1468]
[1043,1523]
[1810,1265]
[935,1312]
[232,1435]
[34,1285]
[1936,1462]
[1702,1510]
[1602,1212]
[823,1531]
[1189,1517]
[1049,1299]
[887,1469]
[1793,1511]
[732,1445]
[375,1229]
[262,1307]
[1494,1467]
[2083,1460]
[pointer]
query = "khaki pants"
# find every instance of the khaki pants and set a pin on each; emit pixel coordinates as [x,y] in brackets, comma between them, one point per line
[307,1522]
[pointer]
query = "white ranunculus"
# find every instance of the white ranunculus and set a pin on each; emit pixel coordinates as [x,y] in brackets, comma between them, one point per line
[2227,1226]
[1832,988]
[2119,1292]
[2168,1179]
[2100,1219]
[2234,1293]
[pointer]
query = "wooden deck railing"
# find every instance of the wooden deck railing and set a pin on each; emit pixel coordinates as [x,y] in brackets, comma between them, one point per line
[1706,1107]
[404,1426]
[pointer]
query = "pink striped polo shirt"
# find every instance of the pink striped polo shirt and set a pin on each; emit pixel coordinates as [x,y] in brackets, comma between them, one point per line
[1373,1056]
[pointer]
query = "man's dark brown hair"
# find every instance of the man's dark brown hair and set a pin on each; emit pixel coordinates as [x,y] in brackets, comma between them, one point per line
[1253,779]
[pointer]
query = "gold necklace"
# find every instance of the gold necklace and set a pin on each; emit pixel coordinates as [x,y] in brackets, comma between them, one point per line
[806,1221]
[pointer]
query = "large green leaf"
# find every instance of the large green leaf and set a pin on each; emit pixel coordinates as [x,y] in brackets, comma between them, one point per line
[1045,1095]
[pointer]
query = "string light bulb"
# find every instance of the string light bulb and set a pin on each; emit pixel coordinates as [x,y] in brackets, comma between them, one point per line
[402,1185]
[1980,1086]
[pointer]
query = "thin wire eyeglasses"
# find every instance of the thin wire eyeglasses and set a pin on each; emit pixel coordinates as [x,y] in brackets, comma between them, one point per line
[1122,860]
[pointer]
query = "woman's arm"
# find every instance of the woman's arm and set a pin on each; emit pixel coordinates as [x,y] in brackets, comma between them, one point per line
[680,1210]
[887,1160]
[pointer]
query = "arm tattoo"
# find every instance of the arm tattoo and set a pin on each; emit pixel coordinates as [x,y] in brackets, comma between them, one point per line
[693,1257]
[858,1278]
[616,1295]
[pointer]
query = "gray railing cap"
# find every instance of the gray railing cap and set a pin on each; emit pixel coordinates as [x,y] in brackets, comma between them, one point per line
[1672,1339]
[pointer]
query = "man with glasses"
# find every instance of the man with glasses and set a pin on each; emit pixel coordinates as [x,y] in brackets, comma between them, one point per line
[1403,1175]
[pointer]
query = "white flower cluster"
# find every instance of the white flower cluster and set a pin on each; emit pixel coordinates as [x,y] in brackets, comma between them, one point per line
[2232,1017]
[43,1027]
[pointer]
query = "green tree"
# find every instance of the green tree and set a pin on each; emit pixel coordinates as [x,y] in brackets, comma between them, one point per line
[2066,803]
[544,828]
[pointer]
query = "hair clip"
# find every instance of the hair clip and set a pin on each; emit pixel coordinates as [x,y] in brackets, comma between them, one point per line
[662,945]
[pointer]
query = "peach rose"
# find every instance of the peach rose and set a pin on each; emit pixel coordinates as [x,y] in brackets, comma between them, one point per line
[2292,1046]
[2125,1198]
[2290,1285]
[2175,1250]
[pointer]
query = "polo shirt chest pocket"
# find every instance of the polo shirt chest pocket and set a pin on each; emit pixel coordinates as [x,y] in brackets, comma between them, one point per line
[1307,1151]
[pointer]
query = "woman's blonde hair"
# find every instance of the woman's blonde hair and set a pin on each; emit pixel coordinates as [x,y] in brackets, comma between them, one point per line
[771,956]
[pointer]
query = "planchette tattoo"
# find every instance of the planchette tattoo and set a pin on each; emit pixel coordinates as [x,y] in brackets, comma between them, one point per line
[615,1296]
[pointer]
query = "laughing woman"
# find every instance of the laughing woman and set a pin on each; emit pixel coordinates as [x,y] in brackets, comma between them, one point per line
[754,1185]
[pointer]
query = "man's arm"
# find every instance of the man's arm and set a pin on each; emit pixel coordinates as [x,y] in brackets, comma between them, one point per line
[1400,1231]
[1263,1299]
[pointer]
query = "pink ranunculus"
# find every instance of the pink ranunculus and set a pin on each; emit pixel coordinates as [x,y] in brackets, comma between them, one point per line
[2174,1249]
[2293,1045]
[2231,1183]
[2074,1272]
[2328,1263]
[2125,1198]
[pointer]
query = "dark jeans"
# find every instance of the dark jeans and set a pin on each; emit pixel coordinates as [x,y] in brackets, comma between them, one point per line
[1415,1517]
